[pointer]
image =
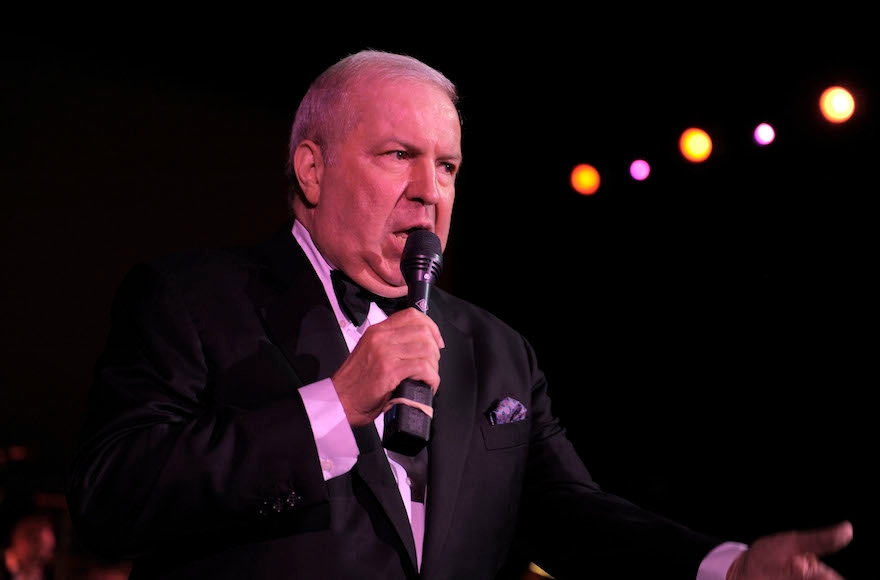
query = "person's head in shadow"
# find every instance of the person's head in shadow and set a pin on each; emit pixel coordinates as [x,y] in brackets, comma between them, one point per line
[31,548]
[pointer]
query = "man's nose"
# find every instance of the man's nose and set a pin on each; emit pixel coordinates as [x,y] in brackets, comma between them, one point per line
[424,185]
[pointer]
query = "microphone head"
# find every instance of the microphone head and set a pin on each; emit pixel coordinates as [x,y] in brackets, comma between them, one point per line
[422,258]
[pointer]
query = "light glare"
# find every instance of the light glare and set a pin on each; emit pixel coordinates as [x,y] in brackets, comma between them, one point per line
[764,134]
[695,145]
[639,169]
[837,104]
[585,179]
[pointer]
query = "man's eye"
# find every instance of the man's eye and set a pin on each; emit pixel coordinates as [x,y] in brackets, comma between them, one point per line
[400,154]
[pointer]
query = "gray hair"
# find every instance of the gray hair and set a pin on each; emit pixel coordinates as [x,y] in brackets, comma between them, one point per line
[325,114]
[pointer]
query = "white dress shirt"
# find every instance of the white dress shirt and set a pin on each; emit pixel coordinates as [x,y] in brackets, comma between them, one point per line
[334,439]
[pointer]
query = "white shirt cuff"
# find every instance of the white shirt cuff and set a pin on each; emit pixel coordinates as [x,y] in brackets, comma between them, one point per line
[337,449]
[718,561]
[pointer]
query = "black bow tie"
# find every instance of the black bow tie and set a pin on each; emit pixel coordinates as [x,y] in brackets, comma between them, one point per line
[355,300]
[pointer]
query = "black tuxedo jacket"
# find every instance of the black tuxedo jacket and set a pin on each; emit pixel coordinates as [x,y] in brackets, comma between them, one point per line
[197,458]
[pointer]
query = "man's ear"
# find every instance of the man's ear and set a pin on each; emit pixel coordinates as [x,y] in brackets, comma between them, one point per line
[308,163]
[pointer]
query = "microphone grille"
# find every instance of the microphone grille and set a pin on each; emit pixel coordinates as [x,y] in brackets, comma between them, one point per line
[421,242]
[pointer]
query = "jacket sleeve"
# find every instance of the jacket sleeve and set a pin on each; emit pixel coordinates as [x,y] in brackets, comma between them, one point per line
[163,457]
[573,529]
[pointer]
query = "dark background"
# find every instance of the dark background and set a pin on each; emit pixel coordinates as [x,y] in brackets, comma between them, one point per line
[706,333]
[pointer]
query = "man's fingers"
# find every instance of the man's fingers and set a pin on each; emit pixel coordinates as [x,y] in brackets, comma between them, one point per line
[412,312]
[825,540]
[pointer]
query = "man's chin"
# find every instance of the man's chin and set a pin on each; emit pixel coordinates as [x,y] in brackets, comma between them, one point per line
[395,288]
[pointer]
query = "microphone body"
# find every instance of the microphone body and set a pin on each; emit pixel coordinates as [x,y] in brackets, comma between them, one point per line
[408,428]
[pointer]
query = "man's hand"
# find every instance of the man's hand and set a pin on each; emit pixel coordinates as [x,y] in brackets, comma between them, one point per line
[406,346]
[792,555]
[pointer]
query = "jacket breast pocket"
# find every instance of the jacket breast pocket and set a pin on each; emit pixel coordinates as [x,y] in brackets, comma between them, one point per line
[506,436]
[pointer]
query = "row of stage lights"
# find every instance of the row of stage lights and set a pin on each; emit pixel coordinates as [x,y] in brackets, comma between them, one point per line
[836,104]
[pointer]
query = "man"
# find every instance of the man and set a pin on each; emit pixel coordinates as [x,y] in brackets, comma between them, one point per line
[30,553]
[238,412]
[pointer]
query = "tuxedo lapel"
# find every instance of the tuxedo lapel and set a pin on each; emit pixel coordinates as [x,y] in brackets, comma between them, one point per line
[299,318]
[372,466]
[301,322]
[451,429]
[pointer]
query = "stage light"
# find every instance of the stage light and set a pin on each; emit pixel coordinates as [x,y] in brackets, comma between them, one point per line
[695,145]
[837,104]
[639,169]
[585,179]
[764,134]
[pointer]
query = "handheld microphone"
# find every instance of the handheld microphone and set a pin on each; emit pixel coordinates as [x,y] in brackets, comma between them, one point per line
[408,428]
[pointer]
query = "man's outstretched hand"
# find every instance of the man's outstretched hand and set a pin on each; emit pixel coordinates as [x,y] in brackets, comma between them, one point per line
[792,555]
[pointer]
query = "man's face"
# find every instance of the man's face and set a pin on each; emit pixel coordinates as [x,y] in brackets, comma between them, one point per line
[394,171]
